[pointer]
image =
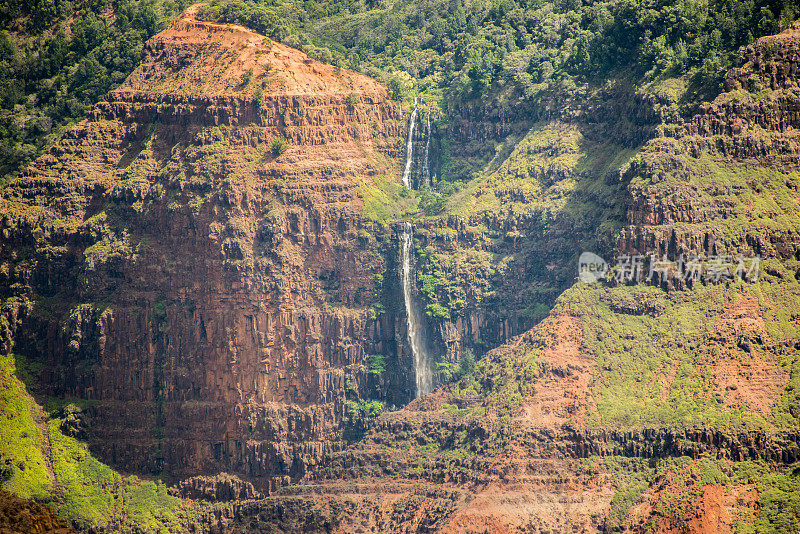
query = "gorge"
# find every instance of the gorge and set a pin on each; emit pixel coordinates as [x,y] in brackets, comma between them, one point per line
[255,290]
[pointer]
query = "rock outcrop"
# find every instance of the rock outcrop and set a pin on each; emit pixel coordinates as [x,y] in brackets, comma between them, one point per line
[19,516]
[692,191]
[191,258]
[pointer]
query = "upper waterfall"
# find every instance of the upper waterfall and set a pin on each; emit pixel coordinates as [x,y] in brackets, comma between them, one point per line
[426,168]
[410,147]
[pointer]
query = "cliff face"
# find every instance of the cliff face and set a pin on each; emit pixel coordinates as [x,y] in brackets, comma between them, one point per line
[700,188]
[192,260]
[199,264]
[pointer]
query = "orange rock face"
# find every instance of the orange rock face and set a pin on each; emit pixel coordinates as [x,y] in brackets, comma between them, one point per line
[213,283]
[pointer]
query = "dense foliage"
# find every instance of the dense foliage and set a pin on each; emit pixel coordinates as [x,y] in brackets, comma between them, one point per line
[472,49]
[57,58]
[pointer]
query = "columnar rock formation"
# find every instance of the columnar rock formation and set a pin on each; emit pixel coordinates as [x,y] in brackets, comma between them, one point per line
[194,262]
[692,190]
[195,259]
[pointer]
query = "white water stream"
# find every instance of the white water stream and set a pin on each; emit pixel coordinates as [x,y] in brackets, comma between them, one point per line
[426,170]
[410,147]
[422,364]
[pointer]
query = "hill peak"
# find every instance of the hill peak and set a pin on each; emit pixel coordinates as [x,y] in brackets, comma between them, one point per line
[194,57]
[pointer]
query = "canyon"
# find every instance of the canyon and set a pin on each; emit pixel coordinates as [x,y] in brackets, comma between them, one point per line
[221,277]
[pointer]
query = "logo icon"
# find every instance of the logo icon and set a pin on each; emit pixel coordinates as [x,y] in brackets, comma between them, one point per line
[591,267]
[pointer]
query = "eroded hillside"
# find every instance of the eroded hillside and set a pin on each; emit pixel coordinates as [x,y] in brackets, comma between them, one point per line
[191,260]
[201,280]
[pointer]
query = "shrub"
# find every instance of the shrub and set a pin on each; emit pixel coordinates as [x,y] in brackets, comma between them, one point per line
[456,371]
[353,100]
[360,417]
[396,88]
[278,145]
[437,311]
[466,365]
[246,77]
[376,364]
[431,203]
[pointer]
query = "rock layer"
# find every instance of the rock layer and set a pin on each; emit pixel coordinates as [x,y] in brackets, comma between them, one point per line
[188,258]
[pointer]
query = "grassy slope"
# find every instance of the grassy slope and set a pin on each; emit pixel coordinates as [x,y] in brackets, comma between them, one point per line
[685,334]
[85,491]
[25,471]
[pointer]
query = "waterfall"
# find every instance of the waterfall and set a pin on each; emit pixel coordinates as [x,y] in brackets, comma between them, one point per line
[426,170]
[410,147]
[422,365]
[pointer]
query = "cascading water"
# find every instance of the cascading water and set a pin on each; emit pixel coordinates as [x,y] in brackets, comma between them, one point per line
[415,325]
[422,364]
[426,169]
[410,147]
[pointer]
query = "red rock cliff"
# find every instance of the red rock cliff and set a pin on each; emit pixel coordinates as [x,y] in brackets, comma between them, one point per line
[207,289]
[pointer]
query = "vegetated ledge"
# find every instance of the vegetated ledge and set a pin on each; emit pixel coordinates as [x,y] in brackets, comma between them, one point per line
[778,447]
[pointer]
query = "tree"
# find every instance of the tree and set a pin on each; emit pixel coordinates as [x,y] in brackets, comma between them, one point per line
[278,145]
[396,88]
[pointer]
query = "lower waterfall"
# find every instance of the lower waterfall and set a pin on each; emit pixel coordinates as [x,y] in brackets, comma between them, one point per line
[415,328]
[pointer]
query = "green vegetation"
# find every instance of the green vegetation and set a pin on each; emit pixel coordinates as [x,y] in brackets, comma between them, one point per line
[376,364]
[655,355]
[630,478]
[655,363]
[359,417]
[779,503]
[365,408]
[58,58]
[431,202]
[465,367]
[149,506]
[90,488]
[530,48]
[554,185]
[106,249]
[352,100]
[247,77]
[762,198]
[23,468]
[516,54]
[386,200]
[278,146]
[451,282]
[683,480]
[79,488]
[92,493]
